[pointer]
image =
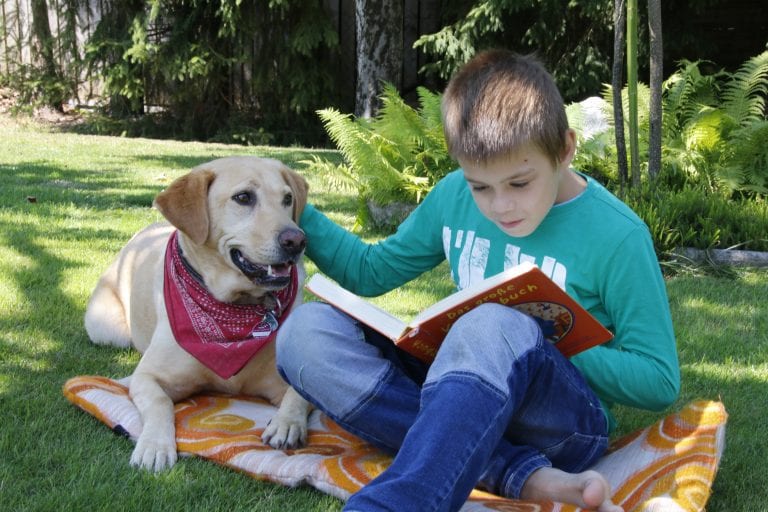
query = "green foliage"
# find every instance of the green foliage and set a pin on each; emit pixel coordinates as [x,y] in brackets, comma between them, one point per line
[684,94]
[37,88]
[744,94]
[691,217]
[746,165]
[205,63]
[715,123]
[713,133]
[596,151]
[575,39]
[397,156]
[50,73]
[710,193]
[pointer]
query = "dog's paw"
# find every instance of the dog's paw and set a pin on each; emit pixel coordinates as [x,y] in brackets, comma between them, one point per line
[285,433]
[154,454]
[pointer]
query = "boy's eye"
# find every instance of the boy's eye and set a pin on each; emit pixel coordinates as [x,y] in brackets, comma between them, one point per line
[519,184]
[479,188]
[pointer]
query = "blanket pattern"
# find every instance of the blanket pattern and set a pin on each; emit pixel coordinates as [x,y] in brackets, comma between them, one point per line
[668,466]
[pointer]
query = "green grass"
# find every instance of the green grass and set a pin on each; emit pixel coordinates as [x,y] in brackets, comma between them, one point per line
[92,193]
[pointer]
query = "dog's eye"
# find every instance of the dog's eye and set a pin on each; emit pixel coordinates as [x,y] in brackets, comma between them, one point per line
[288,200]
[244,198]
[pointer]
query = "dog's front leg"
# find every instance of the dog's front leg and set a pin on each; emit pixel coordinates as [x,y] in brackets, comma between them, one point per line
[288,428]
[156,447]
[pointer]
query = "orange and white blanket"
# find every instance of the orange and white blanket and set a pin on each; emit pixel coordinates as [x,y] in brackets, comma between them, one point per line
[669,466]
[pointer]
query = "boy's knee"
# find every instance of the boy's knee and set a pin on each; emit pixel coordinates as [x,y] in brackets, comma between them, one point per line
[490,333]
[485,342]
[496,321]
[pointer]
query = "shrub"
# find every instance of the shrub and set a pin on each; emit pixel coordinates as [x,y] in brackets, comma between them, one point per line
[396,157]
[691,217]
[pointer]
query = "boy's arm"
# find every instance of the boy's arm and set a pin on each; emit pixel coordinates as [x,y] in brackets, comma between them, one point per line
[639,367]
[372,269]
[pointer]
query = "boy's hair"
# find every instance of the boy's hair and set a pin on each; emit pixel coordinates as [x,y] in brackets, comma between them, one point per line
[499,101]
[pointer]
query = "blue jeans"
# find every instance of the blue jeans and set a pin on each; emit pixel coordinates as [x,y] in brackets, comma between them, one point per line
[498,403]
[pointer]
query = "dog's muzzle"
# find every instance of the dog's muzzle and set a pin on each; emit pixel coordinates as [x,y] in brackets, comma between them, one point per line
[276,274]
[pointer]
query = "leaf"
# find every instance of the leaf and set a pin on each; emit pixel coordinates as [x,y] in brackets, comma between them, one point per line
[744,94]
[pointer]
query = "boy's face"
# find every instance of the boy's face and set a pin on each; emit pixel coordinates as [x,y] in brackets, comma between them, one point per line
[517,191]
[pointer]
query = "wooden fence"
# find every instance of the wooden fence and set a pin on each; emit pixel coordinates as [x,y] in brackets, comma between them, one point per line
[17,42]
[419,17]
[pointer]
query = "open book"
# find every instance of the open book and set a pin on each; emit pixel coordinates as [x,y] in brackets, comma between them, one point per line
[562,320]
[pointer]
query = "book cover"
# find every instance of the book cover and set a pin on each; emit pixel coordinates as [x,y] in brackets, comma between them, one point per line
[563,321]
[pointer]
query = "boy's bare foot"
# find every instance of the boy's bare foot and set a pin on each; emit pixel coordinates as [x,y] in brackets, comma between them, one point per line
[587,490]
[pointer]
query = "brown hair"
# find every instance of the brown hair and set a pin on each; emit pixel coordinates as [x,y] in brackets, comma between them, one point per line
[498,101]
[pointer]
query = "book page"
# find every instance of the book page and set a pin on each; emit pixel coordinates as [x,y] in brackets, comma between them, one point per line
[356,307]
[470,291]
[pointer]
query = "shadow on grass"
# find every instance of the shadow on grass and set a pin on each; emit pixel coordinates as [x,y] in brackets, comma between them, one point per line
[113,186]
[47,184]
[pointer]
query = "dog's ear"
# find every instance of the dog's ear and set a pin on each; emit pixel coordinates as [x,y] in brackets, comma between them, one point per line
[185,204]
[300,189]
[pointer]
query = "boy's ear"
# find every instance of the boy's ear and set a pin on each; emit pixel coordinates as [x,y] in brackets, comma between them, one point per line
[569,149]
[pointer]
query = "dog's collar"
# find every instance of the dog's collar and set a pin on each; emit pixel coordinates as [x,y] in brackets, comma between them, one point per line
[222,336]
[187,265]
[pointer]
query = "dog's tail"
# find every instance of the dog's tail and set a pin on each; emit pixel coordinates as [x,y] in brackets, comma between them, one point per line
[105,317]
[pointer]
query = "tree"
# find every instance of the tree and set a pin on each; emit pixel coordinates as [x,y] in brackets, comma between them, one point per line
[572,38]
[634,149]
[656,79]
[379,27]
[616,84]
[43,50]
[250,70]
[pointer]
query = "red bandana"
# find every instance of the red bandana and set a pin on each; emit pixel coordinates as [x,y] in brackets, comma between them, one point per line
[224,337]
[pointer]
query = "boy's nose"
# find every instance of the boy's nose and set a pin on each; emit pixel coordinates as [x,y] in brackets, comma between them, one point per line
[501,205]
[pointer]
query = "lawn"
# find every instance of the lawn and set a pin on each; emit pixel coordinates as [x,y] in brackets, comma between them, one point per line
[69,202]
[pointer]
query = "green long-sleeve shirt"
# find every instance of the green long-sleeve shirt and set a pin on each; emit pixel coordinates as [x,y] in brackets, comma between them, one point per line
[593,246]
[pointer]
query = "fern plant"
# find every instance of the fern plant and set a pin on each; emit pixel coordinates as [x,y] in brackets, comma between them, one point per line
[715,125]
[596,151]
[396,157]
[713,133]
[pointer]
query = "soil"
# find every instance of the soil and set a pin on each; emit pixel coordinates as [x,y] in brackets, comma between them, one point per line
[45,116]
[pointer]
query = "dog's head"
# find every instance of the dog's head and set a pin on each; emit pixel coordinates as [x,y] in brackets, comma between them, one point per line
[246,209]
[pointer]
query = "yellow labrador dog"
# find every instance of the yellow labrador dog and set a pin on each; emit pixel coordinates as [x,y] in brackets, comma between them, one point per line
[202,295]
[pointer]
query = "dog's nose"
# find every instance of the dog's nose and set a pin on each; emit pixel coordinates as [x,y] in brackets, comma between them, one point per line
[292,240]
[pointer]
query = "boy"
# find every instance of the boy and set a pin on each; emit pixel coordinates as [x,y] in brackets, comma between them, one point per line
[498,408]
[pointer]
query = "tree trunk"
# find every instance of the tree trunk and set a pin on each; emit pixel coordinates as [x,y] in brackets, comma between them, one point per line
[616,85]
[656,78]
[379,25]
[6,53]
[634,150]
[43,47]
[430,21]
[20,36]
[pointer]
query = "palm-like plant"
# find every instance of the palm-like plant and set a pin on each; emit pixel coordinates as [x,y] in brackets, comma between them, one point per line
[715,125]
[714,128]
[397,156]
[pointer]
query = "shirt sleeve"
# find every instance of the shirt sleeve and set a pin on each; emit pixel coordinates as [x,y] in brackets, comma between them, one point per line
[370,269]
[639,367]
